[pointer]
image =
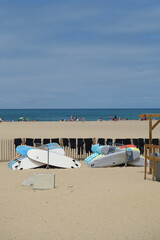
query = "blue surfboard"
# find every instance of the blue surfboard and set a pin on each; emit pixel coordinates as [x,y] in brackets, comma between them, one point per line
[17,160]
[91,157]
[23,149]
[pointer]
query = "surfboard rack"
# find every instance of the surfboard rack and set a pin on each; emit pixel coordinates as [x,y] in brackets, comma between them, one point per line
[47,159]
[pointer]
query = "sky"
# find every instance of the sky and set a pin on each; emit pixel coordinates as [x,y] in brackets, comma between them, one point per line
[79,54]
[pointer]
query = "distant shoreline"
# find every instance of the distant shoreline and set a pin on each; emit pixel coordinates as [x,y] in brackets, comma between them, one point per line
[72,114]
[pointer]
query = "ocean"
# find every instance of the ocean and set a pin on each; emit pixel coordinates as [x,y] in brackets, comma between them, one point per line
[65,114]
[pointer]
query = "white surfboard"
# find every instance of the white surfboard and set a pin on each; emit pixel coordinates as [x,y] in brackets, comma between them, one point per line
[102,150]
[23,163]
[113,159]
[140,162]
[53,147]
[55,159]
[23,149]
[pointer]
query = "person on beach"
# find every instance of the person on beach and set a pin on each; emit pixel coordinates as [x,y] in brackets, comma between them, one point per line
[144,118]
[100,119]
[72,118]
[115,118]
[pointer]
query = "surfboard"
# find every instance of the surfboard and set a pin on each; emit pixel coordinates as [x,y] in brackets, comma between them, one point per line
[54,147]
[104,149]
[127,146]
[55,159]
[22,163]
[94,148]
[91,157]
[140,162]
[108,149]
[114,159]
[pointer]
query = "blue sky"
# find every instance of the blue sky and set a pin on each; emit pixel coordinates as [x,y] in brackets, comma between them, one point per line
[79,54]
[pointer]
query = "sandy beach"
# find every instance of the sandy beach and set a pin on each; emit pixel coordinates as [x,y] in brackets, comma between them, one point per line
[106,129]
[106,203]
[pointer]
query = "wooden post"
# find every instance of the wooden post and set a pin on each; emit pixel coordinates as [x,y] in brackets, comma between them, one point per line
[145,168]
[153,173]
[150,141]
[94,141]
[150,129]
[0,150]
[61,142]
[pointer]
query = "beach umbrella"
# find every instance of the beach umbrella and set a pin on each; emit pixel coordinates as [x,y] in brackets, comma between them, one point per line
[21,118]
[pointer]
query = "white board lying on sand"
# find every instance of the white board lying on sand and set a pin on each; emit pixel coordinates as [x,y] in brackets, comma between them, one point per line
[102,150]
[113,159]
[139,162]
[54,159]
[23,163]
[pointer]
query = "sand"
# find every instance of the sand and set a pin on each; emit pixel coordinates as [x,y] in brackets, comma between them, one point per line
[104,129]
[106,203]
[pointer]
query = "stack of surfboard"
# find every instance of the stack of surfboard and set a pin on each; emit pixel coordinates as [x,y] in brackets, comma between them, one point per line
[108,156]
[52,154]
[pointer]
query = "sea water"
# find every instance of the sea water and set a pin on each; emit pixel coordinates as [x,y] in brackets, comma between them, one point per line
[65,114]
